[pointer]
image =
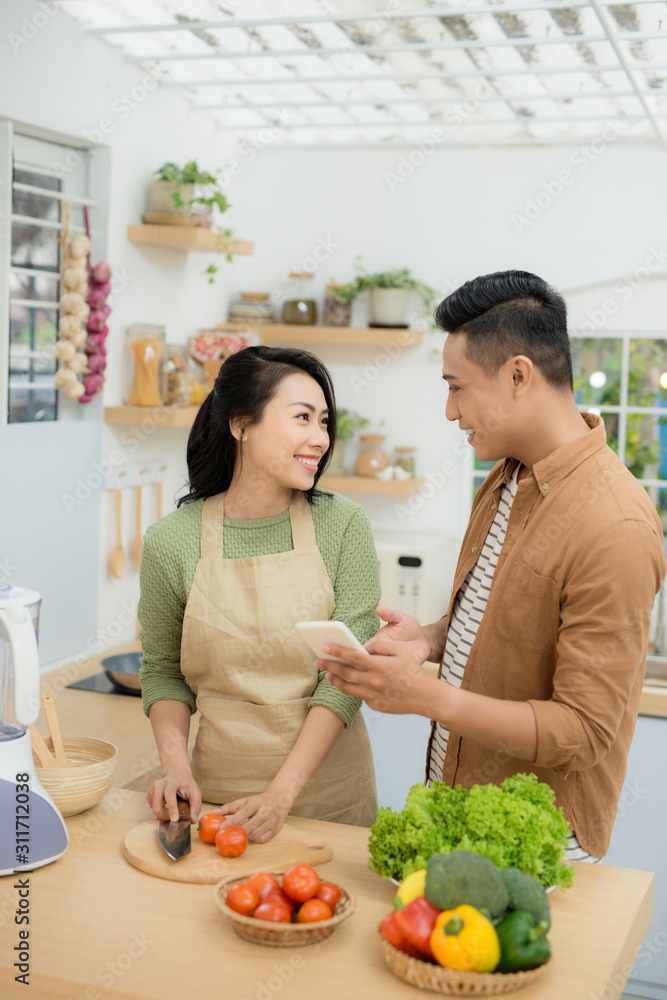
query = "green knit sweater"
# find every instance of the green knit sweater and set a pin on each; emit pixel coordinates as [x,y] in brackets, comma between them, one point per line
[169,558]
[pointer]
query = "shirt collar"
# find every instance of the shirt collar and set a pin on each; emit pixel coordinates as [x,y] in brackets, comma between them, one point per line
[561,462]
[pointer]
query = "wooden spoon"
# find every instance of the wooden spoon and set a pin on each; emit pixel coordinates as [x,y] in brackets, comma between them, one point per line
[158,500]
[46,758]
[117,557]
[54,729]
[137,544]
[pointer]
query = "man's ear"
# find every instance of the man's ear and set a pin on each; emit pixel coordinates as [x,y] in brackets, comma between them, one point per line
[522,372]
[237,428]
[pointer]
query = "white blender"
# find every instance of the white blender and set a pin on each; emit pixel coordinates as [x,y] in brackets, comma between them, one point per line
[32,831]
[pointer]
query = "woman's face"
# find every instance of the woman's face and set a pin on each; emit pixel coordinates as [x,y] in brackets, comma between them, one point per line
[285,448]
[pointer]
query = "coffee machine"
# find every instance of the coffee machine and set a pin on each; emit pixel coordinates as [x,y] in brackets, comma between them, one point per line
[32,831]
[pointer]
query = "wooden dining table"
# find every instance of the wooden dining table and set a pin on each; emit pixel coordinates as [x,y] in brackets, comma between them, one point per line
[101,929]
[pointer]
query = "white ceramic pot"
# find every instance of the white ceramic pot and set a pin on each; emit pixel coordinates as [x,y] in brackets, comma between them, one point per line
[388,305]
[159,196]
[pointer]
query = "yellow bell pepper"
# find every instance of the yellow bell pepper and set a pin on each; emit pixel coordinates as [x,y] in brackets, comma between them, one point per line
[410,888]
[465,940]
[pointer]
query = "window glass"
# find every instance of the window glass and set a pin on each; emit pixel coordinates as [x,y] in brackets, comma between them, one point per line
[596,369]
[646,445]
[647,382]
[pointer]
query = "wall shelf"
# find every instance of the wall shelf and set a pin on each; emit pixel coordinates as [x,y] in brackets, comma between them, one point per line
[160,416]
[367,484]
[188,238]
[366,335]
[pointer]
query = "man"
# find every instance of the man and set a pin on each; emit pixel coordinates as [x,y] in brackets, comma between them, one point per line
[543,647]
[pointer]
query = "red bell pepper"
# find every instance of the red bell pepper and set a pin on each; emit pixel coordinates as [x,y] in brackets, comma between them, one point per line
[416,922]
[391,933]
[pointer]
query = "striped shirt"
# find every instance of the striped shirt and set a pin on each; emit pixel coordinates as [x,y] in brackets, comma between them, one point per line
[466,618]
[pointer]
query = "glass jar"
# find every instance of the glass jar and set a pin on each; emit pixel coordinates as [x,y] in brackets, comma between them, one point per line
[299,311]
[405,458]
[371,458]
[197,382]
[141,369]
[336,313]
[174,383]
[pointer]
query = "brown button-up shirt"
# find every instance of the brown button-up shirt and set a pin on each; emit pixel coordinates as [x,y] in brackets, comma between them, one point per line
[566,625]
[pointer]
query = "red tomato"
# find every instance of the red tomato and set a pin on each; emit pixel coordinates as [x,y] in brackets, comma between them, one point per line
[264,883]
[231,841]
[274,910]
[209,825]
[242,899]
[278,896]
[330,893]
[313,910]
[301,882]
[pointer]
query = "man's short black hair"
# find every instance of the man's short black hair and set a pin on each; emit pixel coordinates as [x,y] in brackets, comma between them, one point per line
[509,313]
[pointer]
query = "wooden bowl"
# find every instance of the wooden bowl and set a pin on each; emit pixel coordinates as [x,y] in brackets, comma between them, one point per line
[281,935]
[75,789]
[450,983]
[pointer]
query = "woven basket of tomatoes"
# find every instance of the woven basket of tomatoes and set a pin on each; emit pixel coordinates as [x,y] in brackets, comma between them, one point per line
[285,911]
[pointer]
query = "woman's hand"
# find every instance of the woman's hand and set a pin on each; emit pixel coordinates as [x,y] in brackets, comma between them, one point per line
[161,796]
[403,629]
[261,815]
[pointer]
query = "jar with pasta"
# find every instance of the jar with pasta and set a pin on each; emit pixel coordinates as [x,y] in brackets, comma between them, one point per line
[175,388]
[143,351]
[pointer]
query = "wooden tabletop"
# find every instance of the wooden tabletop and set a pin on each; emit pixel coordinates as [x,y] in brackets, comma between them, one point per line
[101,930]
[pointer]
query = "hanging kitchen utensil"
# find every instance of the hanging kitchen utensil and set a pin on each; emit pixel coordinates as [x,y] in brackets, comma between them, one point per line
[44,755]
[117,557]
[137,544]
[54,729]
[158,501]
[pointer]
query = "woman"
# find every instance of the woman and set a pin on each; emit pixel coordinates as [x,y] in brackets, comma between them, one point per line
[252,549]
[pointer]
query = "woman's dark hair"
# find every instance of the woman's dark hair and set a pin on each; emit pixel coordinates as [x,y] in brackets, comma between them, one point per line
[247,381]
[509,313]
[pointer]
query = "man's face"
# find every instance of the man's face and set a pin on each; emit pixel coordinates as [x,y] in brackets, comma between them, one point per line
[481,405]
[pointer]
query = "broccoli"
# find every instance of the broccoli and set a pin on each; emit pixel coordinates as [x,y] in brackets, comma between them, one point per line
[528,894]
[465,877]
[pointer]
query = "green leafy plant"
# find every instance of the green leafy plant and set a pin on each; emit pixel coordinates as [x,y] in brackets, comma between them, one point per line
[401,278]
[210,192]
[347,423]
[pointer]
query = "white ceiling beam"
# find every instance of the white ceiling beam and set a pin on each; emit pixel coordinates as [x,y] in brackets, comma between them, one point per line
[368,15]
[284,147]
[381,102]
[358,50]
[603,18]
[364,78]
[434,122]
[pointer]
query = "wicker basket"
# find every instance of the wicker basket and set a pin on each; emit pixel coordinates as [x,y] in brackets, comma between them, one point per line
[435,978]
[281,935]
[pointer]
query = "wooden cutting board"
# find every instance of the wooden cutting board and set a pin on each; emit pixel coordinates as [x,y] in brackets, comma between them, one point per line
[290,846]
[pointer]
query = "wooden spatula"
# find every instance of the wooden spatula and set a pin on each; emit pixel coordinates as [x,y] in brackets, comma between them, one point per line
[54,729]
[117,557]
[137,544]
[44,755]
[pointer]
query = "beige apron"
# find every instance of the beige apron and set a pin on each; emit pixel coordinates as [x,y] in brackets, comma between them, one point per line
[253,676]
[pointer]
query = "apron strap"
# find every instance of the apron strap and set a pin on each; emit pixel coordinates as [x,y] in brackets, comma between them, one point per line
[212,516]
[301,520]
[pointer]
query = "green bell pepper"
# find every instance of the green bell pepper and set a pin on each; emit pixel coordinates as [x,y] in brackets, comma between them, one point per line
[522,942]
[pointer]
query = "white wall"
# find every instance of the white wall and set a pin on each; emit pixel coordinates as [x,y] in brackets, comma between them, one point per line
[451,218]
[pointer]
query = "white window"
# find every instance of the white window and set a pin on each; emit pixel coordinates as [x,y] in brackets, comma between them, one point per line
[622,376]
[35,176]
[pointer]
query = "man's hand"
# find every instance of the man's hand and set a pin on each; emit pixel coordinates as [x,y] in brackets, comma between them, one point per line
[389,679]
[404,630]
[261,815]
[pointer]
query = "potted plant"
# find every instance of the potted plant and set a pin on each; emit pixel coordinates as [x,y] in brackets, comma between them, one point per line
[186,191]
[389,291]
[347,424]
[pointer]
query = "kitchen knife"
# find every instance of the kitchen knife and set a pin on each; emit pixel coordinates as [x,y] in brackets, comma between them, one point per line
[175,836]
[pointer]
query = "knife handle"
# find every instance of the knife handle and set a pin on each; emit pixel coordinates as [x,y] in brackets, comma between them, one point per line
[184,811]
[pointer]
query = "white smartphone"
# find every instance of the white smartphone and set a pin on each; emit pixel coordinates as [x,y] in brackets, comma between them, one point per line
[319,634]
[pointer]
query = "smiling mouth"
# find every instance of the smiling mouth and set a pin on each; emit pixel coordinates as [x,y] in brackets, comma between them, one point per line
[308,461]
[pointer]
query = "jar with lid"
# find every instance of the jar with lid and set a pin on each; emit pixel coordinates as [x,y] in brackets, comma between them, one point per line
[371,458]
[300,311]
[141,367]
[197,381]
[336,313]
[405,458]
[174,383]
